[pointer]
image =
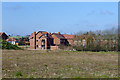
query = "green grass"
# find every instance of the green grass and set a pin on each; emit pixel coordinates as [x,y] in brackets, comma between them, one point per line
[19,74]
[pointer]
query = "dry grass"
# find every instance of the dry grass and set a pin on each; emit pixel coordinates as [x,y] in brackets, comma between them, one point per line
[58,64]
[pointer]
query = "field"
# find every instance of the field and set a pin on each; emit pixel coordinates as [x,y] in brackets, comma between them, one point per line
[59,64]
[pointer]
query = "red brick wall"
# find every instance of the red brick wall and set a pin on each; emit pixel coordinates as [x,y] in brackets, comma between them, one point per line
[32,44]
[39,42]
[56,40]
[33,41]
[54,47]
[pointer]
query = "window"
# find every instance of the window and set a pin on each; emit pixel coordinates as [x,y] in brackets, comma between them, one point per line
[46,35]
[62,40]
[83,44]
[75,41]
[83,40]
[106,42]
[37,46]
[42,46]
[37,40]
[114,41]
[43,41]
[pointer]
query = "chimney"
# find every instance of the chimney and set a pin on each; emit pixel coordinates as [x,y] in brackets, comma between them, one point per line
[58,32]
[34,37]
[49,33]
[34,32]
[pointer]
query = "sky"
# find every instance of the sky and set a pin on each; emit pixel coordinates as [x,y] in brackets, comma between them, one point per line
[23,18]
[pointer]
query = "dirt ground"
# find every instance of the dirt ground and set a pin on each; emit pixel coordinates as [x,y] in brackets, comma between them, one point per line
[58,64]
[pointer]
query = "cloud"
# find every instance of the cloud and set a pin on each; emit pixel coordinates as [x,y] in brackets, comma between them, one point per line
[109,12]
[106,12]
[100,12]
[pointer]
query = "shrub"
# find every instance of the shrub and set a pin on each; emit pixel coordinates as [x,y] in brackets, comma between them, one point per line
[6,45]
[19,74]
[79,48]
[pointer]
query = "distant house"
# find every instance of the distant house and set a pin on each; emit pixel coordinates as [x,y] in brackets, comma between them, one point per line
[13,41]
[45,40]
[23,40]
[83,39]
[103,41]
[3,36]
[69,38]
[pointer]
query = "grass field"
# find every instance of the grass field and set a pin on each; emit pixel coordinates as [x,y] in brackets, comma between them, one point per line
[59,64]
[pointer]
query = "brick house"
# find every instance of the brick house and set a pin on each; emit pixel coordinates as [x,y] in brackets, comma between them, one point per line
[45,40]
[24,41]
[3,36]
[82,40]
[69,38]
[102,41]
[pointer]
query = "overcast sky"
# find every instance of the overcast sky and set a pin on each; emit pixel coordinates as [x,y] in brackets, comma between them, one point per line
[23,18]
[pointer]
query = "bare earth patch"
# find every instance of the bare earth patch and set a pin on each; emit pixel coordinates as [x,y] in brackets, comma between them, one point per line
[58,64]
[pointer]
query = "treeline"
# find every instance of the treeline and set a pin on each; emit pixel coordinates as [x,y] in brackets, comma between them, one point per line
[106,40]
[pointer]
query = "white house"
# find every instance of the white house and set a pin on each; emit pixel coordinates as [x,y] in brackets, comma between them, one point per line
[12,41]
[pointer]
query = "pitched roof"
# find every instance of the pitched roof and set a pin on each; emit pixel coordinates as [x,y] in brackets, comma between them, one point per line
[68,36]
[84,36]
[60,36]
[1,33]
[43,32]
[11,39]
